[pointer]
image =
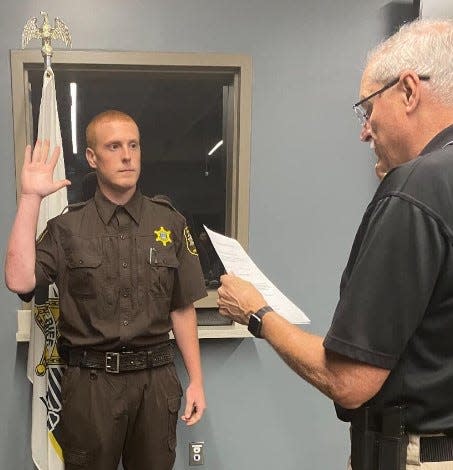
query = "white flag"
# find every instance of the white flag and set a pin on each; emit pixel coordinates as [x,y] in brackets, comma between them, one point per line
[44,364]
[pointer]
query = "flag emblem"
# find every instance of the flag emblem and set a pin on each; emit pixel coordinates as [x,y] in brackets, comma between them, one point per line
[46,316]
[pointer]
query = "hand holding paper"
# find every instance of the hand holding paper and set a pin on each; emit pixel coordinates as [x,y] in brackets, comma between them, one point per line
[240,298]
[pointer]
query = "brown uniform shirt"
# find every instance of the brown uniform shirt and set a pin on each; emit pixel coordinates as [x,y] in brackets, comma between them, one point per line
[120,271]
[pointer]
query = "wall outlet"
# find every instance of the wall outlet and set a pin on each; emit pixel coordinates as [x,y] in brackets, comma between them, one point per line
[196,453]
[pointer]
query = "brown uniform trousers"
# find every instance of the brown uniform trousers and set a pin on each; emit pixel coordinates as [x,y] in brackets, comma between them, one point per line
[102,412]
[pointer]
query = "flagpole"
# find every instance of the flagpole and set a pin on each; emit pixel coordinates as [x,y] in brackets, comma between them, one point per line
[44,366]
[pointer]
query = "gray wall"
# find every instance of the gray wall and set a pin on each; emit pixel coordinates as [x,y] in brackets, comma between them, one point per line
[310,182]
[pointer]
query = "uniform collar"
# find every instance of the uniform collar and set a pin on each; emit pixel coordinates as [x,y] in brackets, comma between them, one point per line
[439,141]
[106,208]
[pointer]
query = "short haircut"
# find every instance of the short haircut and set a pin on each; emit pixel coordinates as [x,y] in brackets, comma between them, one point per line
[105,116]
[424,46]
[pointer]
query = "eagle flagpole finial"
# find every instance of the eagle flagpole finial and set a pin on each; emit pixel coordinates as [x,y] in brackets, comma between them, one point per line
[46,33]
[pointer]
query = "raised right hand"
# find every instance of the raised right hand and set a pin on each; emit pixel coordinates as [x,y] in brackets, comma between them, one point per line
[37,171]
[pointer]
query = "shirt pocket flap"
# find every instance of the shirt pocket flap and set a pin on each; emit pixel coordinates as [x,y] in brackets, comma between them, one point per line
[165,259]
[83,260]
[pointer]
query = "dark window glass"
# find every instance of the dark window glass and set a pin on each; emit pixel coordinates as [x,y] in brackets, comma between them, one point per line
[181,117]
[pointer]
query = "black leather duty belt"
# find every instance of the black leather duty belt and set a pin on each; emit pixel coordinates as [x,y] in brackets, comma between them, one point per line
[436,448]
[122,361]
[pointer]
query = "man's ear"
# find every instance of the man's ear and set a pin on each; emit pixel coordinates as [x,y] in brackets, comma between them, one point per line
[411,86]
[91,157]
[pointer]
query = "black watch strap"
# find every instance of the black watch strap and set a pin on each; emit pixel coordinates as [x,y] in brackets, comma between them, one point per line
[255,320]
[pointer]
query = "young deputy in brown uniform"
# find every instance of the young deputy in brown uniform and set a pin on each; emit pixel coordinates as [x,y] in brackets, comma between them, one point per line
[127,272]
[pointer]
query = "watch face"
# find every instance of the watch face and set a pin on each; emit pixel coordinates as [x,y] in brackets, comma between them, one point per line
[255,325]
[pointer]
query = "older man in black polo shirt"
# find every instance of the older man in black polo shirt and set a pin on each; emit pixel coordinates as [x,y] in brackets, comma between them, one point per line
[386,360]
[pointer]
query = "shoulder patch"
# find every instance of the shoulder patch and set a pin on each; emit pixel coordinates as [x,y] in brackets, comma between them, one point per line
[190,244]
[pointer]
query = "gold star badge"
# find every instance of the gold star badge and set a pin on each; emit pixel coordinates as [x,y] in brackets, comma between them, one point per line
[163,236]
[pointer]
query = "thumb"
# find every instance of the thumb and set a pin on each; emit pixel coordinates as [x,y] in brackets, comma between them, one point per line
[61,184]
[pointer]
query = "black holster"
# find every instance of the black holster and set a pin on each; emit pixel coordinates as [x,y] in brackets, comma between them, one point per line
[378,439]
[364,441]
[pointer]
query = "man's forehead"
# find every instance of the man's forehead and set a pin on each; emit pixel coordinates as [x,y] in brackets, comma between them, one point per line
[118,128]
[367,86]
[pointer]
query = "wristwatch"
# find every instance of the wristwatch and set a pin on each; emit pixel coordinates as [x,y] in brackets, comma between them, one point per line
[255,320]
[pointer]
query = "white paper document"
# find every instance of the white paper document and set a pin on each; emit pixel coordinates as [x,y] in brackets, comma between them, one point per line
[237,261]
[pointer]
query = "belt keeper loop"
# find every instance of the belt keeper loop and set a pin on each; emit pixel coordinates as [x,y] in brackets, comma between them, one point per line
[149,358]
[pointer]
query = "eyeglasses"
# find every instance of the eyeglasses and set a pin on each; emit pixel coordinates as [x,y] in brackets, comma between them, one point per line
[362,113]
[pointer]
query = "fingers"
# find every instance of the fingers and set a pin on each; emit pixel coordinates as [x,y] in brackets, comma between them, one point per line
[229,277]
[36,156]
[190,406]
[223,309]
[222,300]
[193,416]
[196,416]
[55,155]
[41,152]
[195,404]
[27,155]
[224,312]
[45,150]
[220,292]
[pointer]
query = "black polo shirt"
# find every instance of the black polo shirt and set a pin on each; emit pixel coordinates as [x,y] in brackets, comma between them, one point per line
[396,294]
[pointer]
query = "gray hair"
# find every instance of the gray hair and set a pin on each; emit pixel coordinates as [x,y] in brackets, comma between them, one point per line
[424,46]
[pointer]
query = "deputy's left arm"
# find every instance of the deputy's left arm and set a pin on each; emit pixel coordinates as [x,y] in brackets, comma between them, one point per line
[185,331]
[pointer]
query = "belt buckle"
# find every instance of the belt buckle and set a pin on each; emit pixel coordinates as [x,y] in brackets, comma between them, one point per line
[112,362]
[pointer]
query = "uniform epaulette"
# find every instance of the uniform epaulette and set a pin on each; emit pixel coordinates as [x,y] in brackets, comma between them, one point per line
[71,207]
[164,200]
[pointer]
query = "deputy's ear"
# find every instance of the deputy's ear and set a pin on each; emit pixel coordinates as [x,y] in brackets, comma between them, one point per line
[411,86]
[91,157]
